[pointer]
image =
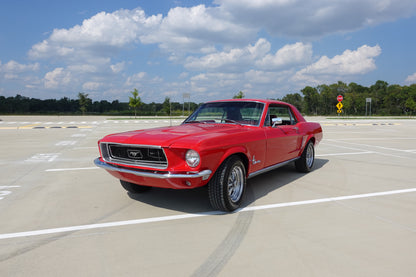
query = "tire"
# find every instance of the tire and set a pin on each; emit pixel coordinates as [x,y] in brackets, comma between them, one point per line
[305,162]
[133,188]
[226,188]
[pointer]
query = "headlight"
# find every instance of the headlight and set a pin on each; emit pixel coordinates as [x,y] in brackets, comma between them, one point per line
[192,158]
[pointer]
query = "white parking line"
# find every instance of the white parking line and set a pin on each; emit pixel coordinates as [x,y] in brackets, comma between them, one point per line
[343,154]
[70,169]
[186,216]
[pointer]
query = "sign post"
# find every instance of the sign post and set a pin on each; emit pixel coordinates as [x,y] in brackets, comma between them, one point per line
[367,100]
[339,105]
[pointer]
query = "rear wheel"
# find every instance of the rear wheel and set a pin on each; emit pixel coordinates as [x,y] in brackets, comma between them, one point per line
[227,186]
[133,188]
[306,160]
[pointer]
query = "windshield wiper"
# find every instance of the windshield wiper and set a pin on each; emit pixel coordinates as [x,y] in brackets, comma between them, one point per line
[226,120]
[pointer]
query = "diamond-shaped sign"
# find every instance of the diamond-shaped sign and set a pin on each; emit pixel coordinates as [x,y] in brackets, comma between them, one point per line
[339,105]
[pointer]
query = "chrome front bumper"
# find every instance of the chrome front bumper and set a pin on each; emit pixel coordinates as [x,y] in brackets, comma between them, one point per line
[203,174]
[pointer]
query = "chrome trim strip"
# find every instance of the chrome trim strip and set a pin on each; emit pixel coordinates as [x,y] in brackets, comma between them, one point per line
[136,145]
[245,101]
[272,167]
[107,156]
[203,174]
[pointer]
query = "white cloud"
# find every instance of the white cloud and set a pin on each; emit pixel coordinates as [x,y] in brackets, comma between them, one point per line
[198,29]
[15,67]
[220,43]
[289,55]
[117,68]
[57,78]
[303,18]
[358,62]
[234,58]
[92,85]
[140,79]
[97,35]
[411,79]
[239,59]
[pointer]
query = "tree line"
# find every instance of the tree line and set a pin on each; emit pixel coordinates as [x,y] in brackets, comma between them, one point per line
[384,99]
[321,100]
[83,105]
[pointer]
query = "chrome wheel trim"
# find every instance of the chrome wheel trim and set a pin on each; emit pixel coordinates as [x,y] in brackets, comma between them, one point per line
[235,183]
[310,155]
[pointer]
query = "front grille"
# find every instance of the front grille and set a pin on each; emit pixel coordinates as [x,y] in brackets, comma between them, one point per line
[140,155]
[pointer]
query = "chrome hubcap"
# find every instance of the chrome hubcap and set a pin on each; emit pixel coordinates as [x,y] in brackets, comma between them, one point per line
[309,155]
[235,183]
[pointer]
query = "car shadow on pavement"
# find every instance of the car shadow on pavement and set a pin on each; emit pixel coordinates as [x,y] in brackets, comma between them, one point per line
[196,200]
[262,185]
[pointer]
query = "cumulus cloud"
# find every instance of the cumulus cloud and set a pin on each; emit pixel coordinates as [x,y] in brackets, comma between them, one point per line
[14,72]
[289,55]
[219,44]
[360,61]
[302,18]
[198,29]
[92,86]
[141,78]
[15,67]
[97,35]
[234,58]
[411,79]
[57,78]
[257,55]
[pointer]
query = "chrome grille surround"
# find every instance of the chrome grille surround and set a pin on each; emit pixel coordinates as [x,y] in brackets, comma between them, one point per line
[134,154]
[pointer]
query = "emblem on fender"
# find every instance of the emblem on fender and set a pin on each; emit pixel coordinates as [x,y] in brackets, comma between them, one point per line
[254,161]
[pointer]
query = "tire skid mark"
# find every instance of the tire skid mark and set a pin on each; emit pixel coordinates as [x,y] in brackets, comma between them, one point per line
[226,249]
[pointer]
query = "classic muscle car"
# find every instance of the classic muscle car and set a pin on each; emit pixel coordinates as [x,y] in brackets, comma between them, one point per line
[220,145]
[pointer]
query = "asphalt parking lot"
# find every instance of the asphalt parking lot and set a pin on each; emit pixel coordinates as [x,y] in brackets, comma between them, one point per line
[354,215]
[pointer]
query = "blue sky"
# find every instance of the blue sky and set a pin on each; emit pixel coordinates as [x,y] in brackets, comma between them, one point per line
[210,49]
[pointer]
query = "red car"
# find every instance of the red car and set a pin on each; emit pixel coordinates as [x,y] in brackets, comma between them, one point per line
[220,145]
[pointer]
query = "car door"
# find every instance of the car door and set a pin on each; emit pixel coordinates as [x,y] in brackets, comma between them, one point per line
[283,138]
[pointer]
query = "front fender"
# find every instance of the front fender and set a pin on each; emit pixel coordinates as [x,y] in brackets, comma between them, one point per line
[236,150]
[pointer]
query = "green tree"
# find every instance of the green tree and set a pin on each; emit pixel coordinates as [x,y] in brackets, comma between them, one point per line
[135,101]
[410,104]
[378,92]
[295,99]
[239,95]
[84,102]
[167,106]
[311,100]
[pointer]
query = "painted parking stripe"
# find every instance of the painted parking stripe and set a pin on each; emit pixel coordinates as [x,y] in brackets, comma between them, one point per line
[345,154]
[70,169]
[186,216]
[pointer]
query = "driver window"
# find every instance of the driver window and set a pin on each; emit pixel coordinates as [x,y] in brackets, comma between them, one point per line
[282,112]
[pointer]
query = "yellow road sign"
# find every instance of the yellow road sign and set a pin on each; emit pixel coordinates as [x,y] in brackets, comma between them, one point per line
[339,111]
[339,105]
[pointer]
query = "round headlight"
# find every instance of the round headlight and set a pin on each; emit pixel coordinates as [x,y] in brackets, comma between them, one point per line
[192,158]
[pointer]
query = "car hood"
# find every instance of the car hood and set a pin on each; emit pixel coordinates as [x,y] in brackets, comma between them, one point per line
[181,136]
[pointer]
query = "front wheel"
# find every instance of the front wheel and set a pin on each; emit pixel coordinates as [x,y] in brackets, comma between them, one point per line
[133,188]
[306,160]
[227,186]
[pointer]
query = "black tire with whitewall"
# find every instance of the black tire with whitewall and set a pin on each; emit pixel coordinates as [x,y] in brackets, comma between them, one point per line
[133,188]
[305,162]
[226,188]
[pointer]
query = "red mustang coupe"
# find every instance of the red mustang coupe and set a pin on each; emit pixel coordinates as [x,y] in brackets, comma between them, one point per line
[220,145]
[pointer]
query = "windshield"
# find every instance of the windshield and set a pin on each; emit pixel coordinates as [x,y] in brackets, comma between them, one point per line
[244,113]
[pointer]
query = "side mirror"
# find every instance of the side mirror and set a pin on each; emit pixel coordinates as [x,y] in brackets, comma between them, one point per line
[276,121]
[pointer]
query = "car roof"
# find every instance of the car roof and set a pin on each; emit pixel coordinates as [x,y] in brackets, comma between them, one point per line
[265,101]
